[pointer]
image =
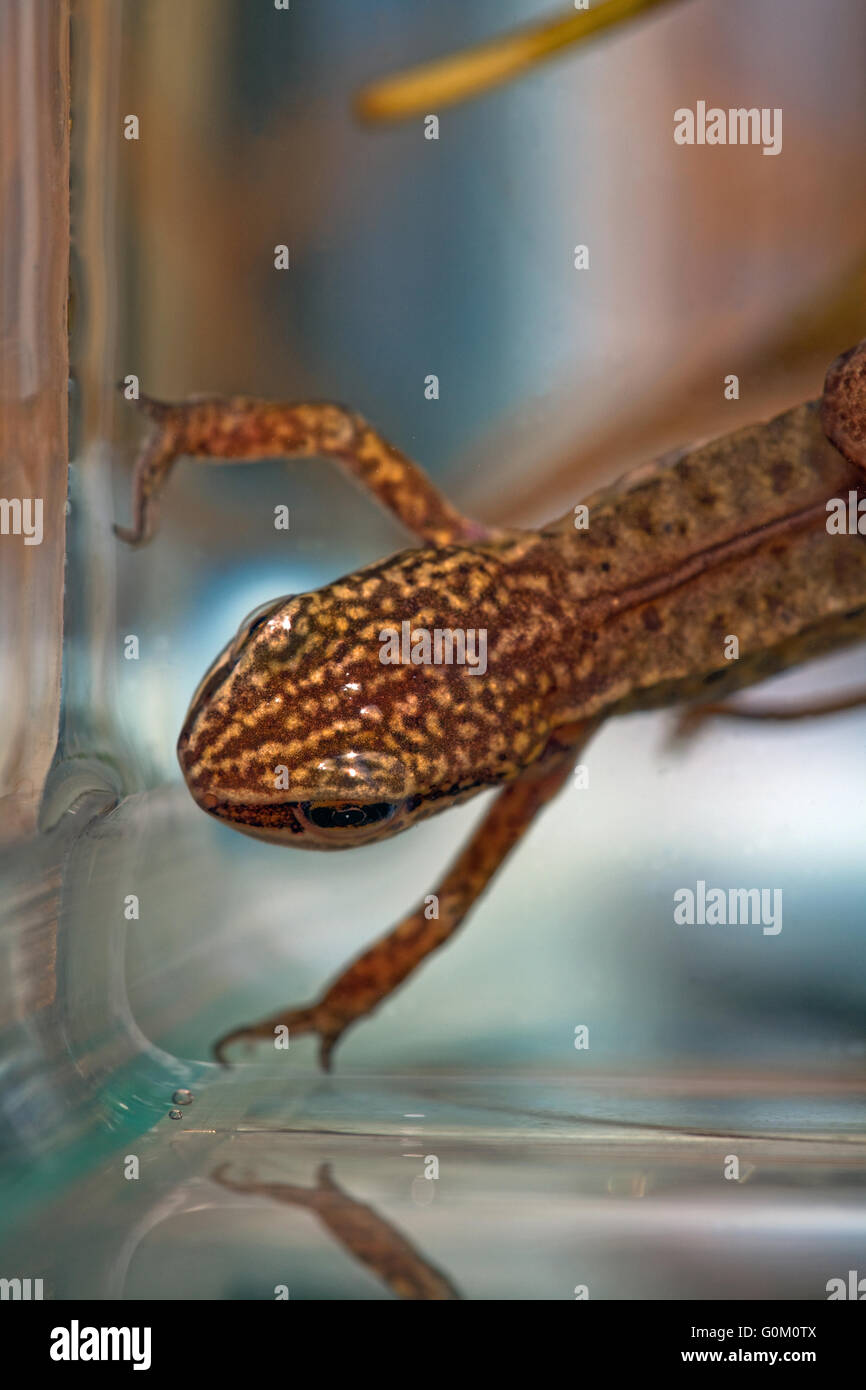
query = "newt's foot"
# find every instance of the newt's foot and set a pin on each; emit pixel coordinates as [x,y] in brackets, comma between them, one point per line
[316,1018]
[129,536]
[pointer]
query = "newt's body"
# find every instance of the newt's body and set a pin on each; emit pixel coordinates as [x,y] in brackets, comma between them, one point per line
[301,733]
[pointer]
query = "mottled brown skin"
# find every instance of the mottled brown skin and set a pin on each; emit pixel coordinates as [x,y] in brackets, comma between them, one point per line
[631,613]
[360,1230]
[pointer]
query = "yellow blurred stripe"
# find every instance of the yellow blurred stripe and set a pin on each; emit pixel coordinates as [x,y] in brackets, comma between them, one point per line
[467,74]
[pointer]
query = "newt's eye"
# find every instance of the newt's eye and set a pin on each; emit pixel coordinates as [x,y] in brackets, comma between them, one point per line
[344,816]
[255,619]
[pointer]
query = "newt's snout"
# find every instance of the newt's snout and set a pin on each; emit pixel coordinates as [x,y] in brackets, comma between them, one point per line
[267,748]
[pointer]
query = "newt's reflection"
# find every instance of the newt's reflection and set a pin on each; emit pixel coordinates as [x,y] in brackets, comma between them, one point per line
[359,1229]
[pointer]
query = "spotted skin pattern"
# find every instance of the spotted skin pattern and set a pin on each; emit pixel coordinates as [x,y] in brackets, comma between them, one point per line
[301,734]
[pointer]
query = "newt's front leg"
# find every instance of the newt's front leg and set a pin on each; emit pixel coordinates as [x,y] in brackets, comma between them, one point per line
[366,1235]
[242,428]
[375,975]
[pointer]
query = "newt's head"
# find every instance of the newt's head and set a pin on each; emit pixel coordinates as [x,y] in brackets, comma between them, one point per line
[310,729]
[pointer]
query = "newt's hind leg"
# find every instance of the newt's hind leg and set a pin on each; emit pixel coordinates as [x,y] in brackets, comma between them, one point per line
[242,428]
[375,975]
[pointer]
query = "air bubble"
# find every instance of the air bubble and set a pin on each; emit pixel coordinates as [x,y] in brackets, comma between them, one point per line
[183,1097]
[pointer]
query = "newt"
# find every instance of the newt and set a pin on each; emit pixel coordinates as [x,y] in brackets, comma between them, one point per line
[301,734]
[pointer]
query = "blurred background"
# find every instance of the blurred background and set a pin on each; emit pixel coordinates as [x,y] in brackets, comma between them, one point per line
[455,257]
